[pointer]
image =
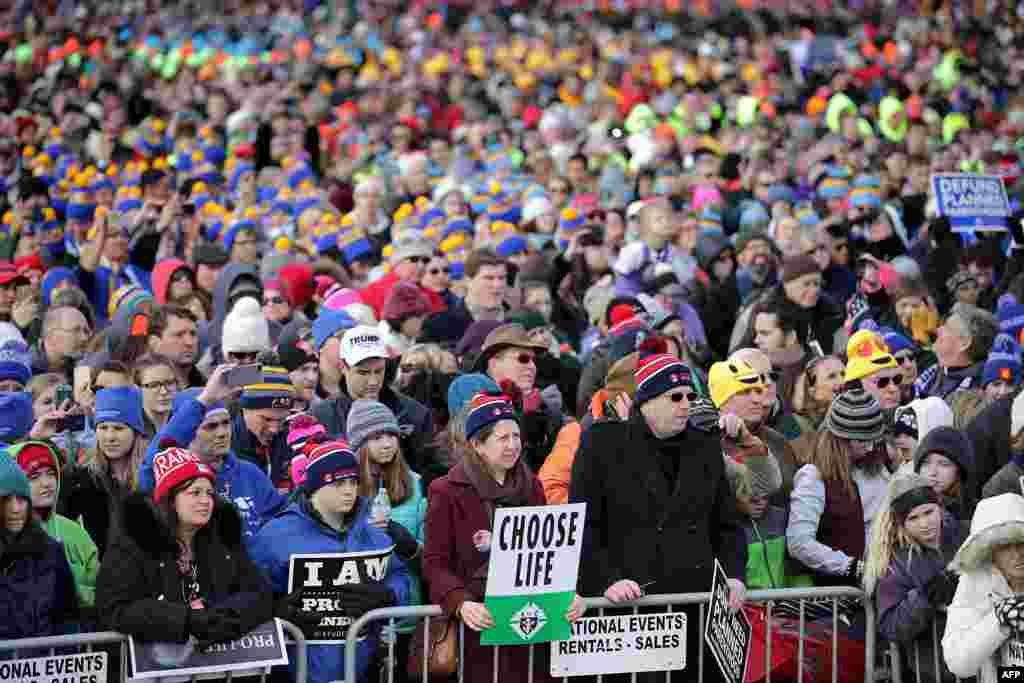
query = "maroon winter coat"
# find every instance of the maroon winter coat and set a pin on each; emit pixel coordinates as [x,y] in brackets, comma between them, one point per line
[455,571]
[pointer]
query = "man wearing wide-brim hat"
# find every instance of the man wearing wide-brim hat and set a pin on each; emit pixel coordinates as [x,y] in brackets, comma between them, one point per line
[985,622]
[509,357]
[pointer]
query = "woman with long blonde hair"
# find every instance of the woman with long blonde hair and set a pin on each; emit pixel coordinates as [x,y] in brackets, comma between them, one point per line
[912,541]
[96,489]
[837,494]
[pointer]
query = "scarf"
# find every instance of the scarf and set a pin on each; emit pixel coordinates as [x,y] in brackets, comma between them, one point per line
[513,493]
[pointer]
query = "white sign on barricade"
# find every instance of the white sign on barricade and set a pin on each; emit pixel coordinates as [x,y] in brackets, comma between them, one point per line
[622,644]
[86,667]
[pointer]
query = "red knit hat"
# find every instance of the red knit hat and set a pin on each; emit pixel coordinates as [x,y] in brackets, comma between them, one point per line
[35,456]
[175,466]
[297,284]
[405,299]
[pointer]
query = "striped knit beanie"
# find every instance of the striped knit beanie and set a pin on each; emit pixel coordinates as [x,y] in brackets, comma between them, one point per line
[367,419]
[658,373]
[302,428]
[485,409]
[275,391]
[855,415]
[329,462]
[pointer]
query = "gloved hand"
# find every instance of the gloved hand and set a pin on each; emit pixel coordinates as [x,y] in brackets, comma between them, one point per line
[1010,613]
[290,609]
[941,588]
[360,598]
[214,624]
[854,572]
[406,544]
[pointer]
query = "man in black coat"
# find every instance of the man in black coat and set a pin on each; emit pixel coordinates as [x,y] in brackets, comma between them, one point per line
[990,433]
[659,506]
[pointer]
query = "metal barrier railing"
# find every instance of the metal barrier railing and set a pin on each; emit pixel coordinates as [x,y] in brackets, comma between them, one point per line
[938,671]
[86,642]
[803,596]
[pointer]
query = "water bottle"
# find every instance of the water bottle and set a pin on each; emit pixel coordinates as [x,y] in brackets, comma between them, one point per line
[381,508]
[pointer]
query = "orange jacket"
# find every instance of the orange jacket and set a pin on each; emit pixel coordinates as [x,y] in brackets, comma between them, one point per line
[556,472]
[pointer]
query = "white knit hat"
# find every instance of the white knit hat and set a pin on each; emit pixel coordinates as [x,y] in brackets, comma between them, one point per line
[534,208]
[245,328]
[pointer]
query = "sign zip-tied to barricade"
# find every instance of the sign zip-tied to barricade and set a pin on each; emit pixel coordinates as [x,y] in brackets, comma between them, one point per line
[532,573]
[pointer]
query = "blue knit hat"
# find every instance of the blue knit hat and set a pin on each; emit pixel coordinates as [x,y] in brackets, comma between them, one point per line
[15,415]
[328,324]
[13,481]
[15,362]
[1003,362]
[465,387]
[486,409]
[187,395]
[896,341]
[120,404]
[1011,316]
[512,245]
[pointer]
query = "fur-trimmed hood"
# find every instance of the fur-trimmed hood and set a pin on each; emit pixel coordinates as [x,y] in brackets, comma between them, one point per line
[144,526]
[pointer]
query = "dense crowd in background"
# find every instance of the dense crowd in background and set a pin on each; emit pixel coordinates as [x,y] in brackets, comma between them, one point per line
[304,277]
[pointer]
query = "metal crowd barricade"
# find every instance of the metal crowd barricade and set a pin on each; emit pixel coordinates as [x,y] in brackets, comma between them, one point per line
[87,642]
[830,596]
[935,667]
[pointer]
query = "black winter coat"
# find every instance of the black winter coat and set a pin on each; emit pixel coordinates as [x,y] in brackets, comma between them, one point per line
[37,590]
[643,527]
[989,433]
[95,499]
[139,590]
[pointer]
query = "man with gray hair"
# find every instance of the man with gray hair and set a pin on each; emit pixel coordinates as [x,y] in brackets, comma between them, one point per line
[961,347]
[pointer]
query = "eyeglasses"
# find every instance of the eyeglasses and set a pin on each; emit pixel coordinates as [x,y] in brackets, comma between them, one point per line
[438,271]
[243,357]
[273,300]
[883,382]
[419,259]
[166,385]
[690,396]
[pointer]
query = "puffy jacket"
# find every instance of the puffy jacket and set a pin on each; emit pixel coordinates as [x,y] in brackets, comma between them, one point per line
[973,638]
[239,481]
[297,531]
[79,548]
[411,513]
[139,591]
[37,589]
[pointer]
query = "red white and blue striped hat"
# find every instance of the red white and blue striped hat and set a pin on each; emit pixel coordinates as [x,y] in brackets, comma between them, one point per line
[329,461]
[657,373]
[486,408]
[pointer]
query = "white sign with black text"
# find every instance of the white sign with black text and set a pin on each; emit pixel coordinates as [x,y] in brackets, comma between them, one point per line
[622,644]
[727,633]
[87,667]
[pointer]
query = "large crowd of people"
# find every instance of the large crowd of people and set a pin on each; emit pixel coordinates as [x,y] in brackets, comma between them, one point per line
[263,265]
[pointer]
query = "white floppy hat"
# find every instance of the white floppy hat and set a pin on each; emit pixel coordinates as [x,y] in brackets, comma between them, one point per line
[997,521]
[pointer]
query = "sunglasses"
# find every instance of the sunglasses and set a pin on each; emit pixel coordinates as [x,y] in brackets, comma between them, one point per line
[904,359]
[525,358]
[690,396]
[772,376]
[273,300]
[419,259]
[883,382]
[243,357]
[438,271]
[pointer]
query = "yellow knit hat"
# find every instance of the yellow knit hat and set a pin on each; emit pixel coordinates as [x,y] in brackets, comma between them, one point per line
[729,378]
[866,354]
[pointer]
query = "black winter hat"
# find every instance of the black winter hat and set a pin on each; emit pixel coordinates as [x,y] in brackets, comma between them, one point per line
[950,442]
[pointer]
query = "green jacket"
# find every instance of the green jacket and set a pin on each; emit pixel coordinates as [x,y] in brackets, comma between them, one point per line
[81,553]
